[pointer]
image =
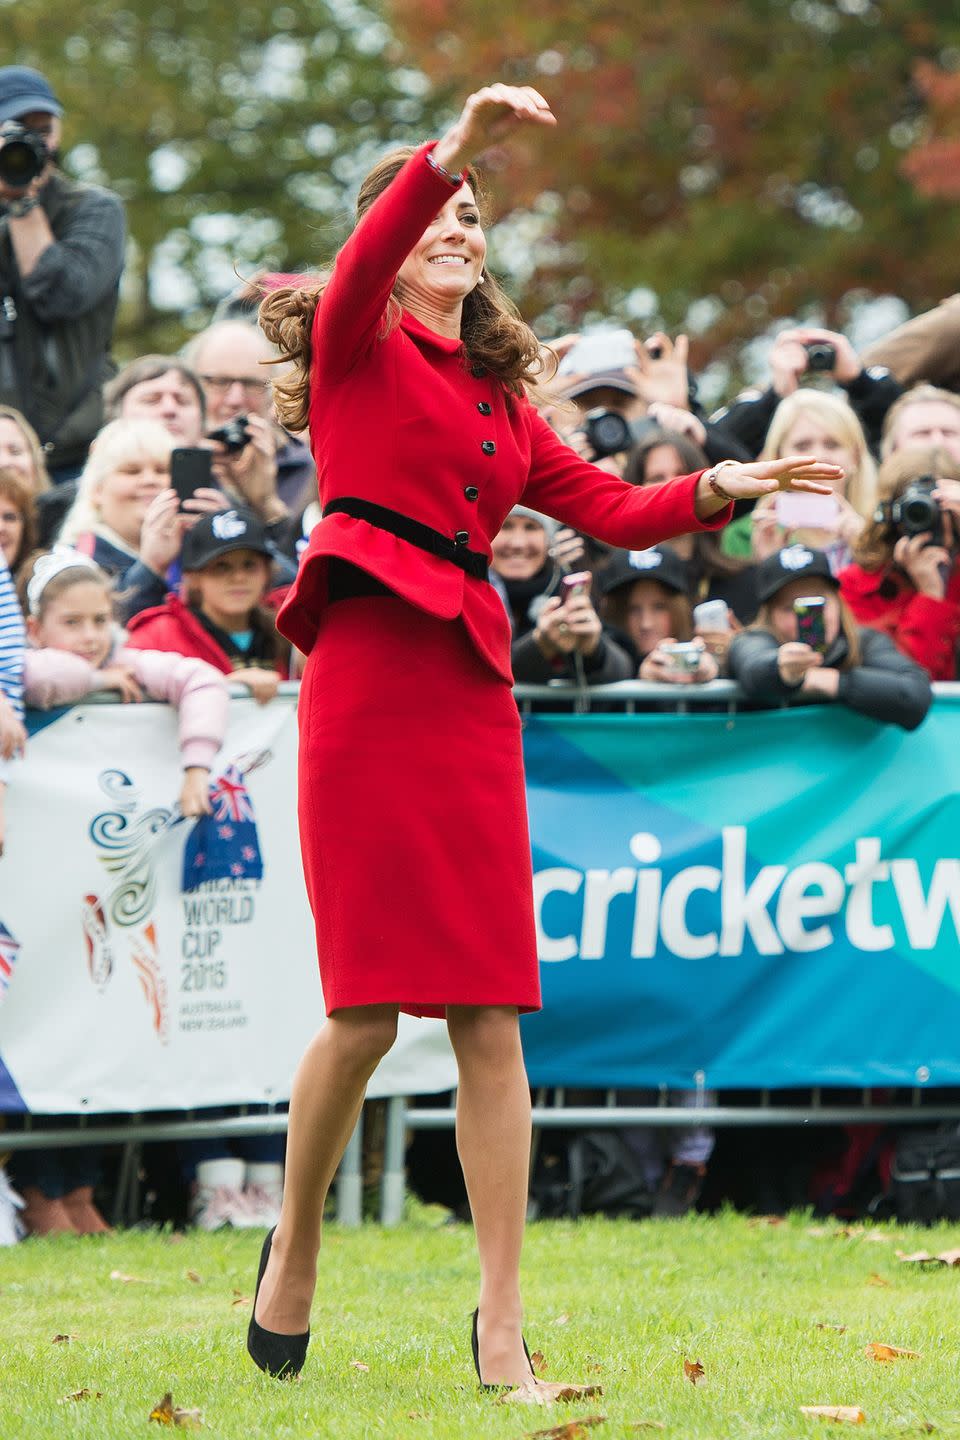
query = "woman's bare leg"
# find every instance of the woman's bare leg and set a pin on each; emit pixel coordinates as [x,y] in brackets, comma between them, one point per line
[327,1094]
[493,1140]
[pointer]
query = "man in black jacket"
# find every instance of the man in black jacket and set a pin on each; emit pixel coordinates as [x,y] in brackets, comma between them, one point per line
[61,256]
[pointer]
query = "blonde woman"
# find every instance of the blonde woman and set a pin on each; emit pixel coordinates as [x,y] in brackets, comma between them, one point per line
[20,450]
[826,426]
[126,516]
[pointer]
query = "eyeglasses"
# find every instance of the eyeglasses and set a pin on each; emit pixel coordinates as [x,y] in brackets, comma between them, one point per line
[253,386]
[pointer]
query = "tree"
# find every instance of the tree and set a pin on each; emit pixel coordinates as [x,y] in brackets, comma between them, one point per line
[235,133]
[717,166]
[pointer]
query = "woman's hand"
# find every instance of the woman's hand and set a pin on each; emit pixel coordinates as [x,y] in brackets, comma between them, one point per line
[13,734]
[751,480]
[795,660]
[121,679]
[926,565]
[682,422]
[658,666]
[824,682]
[487,116]
[660,373]
[195,791]
[568,549]
[161,534]
[563,627]
[262,684]
[850,524]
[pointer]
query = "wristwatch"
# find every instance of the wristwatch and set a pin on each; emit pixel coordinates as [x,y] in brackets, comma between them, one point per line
[16,209]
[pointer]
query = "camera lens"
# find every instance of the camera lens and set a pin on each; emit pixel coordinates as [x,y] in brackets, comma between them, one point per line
[18,165]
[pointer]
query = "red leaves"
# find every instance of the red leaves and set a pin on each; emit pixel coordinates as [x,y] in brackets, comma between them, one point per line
[694,1371]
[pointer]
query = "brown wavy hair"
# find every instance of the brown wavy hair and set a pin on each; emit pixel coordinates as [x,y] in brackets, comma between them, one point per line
[16,490]
[876,542]
[492,331]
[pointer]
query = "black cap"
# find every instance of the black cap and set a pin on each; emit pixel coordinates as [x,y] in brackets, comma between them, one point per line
[22,91]
[794,562]
[216,535]
[660,563]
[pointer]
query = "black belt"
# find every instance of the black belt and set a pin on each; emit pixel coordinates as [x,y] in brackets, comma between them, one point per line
[423,536]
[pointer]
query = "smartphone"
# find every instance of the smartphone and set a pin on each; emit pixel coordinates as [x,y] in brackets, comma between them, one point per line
[190,470]
[711,615]
[578,584]
[796,511]
[810,626]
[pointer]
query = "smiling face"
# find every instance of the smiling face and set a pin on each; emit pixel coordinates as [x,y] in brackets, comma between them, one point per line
[520,549]
[11,531]
[15,453]
[447,261]
[77,619]
[648,616]
[122,496]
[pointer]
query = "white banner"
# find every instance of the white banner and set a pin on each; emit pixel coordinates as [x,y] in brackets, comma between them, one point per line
[121,991]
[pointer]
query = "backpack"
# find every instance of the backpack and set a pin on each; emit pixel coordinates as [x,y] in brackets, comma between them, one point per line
[925,1176]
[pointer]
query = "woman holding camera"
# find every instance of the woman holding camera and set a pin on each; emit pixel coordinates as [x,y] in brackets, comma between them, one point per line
[413,372]
[906,577]
[861,669]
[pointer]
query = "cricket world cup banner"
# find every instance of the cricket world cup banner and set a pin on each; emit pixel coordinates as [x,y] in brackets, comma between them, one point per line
[758,899]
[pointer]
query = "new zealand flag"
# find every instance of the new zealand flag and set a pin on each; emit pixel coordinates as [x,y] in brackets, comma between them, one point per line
[9,949]
[224,845]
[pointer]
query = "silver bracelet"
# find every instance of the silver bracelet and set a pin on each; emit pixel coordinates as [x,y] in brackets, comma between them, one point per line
[455,180]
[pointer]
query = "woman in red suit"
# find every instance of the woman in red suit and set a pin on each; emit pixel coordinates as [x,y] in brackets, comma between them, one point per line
[412,371]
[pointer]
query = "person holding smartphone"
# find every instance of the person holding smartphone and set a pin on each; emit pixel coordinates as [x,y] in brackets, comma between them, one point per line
[806,646]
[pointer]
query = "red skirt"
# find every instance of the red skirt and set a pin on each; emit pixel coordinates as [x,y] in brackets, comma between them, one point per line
[413,821]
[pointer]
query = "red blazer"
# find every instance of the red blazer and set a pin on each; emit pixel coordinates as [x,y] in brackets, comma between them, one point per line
[924,628]
[400,419]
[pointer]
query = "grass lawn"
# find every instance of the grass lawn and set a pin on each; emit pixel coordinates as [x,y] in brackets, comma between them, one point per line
[613,1302]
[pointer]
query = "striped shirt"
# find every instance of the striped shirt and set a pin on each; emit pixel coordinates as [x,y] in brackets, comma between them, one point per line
[13,640]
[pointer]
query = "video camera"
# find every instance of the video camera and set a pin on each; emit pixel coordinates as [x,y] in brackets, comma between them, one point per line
[23,155]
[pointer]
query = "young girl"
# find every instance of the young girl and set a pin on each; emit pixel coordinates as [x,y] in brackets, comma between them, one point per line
[227,570]
[647,603]
[74,652]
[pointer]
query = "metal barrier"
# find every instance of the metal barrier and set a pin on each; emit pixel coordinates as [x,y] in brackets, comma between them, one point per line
[136,1130]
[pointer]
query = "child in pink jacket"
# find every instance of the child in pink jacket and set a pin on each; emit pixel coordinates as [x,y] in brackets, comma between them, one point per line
[74,652]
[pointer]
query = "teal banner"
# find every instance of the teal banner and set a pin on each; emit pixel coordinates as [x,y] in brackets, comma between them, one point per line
[746,900]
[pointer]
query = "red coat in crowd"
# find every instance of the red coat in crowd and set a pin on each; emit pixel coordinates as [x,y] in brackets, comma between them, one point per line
[174,626]
[921,626]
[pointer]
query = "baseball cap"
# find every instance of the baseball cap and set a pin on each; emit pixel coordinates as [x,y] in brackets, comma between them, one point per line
[794,562]
[600,361]
[23,90]
[216,535]
[659,564]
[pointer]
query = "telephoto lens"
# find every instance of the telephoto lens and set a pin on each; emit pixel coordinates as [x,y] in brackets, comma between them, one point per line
[23,155]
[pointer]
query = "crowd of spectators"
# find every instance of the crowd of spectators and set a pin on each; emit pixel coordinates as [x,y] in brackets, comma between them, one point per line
[95,535]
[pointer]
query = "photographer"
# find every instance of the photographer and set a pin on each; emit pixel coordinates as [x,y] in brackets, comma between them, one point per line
[646,597]
[906,579]
[61,256]
[554,634]
[803,351]
[844,665]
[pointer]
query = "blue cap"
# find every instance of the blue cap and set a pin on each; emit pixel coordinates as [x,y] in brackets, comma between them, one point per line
[23,90]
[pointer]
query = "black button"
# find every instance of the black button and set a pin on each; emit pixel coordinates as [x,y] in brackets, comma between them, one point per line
[477,371]
[488,447]
[485,408]
[461,537]
[472,493]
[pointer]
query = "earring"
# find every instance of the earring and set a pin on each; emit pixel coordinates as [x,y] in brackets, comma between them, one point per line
[482,280]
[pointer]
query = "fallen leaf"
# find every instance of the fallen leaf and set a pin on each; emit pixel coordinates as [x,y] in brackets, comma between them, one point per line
[562,1320]
[949,1257]
[571,1430]
[818,1230]
[693,1371]
[843,1414]
[771,1220]
[239,1299]
[62,1339]
[875,1279]
[537,1363]
[840,1329]
[848,1232]
[81,1395]
[918,1257]
[359,1365]
[547,1392]
[418,1415]
[596,1368]
[878,1351]
[128,1279]
[926,1428]
[194,1277]
[166,1413]
[877,1237]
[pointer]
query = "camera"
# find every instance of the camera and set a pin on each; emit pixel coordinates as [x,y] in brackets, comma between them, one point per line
[23,155]
[916,512]
[610,433]
[234,436]
[821,355]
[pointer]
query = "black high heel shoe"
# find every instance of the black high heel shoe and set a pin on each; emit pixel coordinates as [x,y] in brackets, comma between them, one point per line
[281,1356]
[475,1345]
